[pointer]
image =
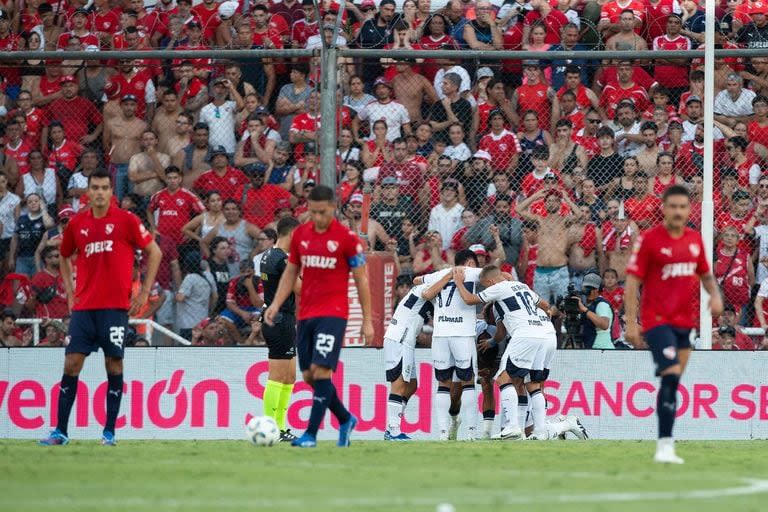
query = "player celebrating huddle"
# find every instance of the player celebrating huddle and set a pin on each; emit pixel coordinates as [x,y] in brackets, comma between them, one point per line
[399,354]
[104,238]
[669,260]
[325,251]
[530,349]
[453,342]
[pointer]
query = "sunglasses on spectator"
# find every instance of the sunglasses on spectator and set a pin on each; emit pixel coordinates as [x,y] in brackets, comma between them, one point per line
[764,185]
[593,121]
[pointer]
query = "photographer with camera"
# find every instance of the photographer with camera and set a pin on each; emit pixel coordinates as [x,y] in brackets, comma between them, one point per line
[596,315]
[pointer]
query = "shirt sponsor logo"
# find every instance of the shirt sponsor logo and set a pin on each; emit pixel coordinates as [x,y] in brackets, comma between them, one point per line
[318,262]
[695,250]
[98,247]
[684,269]
[451,319]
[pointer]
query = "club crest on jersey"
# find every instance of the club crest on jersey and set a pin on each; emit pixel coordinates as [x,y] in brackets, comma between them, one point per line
[180,202]
[694,250]
[109,228]
[333,245]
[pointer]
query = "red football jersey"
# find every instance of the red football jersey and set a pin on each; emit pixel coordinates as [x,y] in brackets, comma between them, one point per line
[301,31]
[228,184]
[66,154]
[656,17]
[174,210]
[501,147]
[261,203]
[613,94]
[108,22]
[105,250]
[611,11]
[647,208]
[57,307]
[534,97]
[325,260]
[78,115]
[614,297]
[668,75]
[20,153]
[669,269]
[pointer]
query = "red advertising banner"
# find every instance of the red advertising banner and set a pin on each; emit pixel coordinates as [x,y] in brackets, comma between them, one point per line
[381,279]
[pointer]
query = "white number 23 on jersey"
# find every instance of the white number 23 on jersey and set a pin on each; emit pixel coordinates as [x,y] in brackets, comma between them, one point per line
[324,344]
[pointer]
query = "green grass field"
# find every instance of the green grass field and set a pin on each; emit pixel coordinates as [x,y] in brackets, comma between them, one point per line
[606,476]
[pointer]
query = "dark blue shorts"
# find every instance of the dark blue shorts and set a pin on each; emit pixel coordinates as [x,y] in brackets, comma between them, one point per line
[319,341]
[664,342]
[92,329]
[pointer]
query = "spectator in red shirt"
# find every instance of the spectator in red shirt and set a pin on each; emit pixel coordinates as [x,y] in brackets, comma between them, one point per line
[260,200]
[63,153]
[82,119]
[55,334]
[170,209]
[79,22]
[625,88]
[644,208]
[222,177]
[543,13]
[409,176]
[49,298]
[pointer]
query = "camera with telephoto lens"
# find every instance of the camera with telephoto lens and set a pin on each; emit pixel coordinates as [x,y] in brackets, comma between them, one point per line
[569,306]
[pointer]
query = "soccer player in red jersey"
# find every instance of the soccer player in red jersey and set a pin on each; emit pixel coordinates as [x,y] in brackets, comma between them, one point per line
[104,238]
[325,252]
[669,260]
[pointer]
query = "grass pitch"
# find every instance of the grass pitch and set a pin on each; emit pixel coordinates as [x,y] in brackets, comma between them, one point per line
[139,476]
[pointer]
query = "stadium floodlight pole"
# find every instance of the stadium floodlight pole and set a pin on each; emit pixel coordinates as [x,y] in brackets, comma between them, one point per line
[328,63]
[707,206]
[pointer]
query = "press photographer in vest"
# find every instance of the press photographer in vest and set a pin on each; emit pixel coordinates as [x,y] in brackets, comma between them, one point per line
[596,315]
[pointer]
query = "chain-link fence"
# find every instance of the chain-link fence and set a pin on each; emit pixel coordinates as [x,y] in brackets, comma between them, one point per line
[551,167]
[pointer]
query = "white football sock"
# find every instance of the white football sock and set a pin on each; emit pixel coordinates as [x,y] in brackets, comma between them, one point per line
[509,410]
[394,416]
[539,411]
[469,406]
[442,404]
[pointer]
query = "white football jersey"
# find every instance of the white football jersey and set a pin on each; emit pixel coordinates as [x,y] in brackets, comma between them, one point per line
[453,316]
[515,305]
[410,315]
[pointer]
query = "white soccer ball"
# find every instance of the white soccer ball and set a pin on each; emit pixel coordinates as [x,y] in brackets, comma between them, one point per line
[262,431]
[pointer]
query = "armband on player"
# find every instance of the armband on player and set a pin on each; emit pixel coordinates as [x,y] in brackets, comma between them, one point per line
[357,260]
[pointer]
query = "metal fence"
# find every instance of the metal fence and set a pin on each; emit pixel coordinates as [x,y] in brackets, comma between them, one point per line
[535,159]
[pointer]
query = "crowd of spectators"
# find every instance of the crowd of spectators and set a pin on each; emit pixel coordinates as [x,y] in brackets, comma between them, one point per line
[551,168]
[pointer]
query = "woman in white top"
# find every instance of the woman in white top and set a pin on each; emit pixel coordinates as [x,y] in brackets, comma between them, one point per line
[201,225]
[42,181]
[457,149]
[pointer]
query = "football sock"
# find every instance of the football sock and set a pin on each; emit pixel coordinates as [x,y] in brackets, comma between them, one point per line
[469,406]
[271,399]
[508,405]
[67,394]
[522,410]
[394,413]
[114,396]
[282,406]
[405,404]
[337,408]
[488,417]
[443,403]
[539,411]
[666,404]
[321,398]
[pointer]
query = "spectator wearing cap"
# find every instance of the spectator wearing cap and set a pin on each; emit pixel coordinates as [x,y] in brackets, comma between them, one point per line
[734,104]
[624,88]
[292,98]
[384,108]
[260,200]
[644,207]
[55,334]
[501,145]
[352,210]
[222,177]
[82,119]
[377,32]
[49,298]
[451,109]
[220,114]
[608,165]
[445,217]
[535,95]
[695,112]
[597,315]
[121,140]
[79,24]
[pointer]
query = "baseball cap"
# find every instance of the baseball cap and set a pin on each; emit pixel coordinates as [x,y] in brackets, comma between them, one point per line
[382,81]
[478,249]
[591,280]
[451,184]
[66,212]
[549,175]
[68,79]
[692,99]
[367,4]
[128,97]
[227,9]
[759,7]
[257,168]
[81,11]
[218,150]
[482,155]
[389,180]
[357,197]
[484,72]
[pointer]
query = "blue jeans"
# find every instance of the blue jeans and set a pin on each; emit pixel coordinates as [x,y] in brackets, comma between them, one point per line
[123,185]
[26,265]
[551,282]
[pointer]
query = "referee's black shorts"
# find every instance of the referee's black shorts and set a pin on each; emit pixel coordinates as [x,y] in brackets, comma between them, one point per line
[281,337]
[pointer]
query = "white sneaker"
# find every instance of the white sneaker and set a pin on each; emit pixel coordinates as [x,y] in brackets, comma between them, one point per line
[471,434]
[511,433]
[537,436]
[443,436]
[576,428]
[665,452]
[453,431]
[560,419]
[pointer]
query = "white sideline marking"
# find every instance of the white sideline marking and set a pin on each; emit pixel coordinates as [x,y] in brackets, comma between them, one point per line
[750,487]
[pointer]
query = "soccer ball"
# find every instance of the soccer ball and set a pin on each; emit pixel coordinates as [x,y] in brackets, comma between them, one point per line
[262,431]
